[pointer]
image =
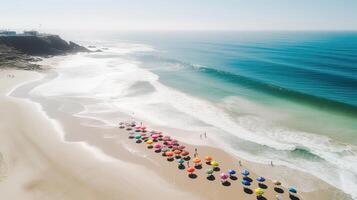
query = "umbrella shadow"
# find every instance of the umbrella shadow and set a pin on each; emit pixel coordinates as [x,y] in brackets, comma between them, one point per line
[261,198]
[248,179]
[177,157]
[278,190]
[181,167]
[138,141]
[187,158]
[211,178]
[150,147]
[216,169]
[198,166]
[158,151]
[131,137]
[263,186]
[233,178]
[226,183]
[293,197]
[192,176]
[247,190]
[208,163]
[170,159]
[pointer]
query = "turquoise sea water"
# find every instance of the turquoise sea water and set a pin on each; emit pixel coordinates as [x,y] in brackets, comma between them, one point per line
[290,97]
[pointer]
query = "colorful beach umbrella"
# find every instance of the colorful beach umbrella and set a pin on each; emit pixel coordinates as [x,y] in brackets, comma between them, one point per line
[155,136]
[260,179]
[231,172]
[214,163]
[196,161]
[292,190]
[224,176]
[157,146]
[277,182]
[245,182]
[169,153]
[181,147]
[208,159]
[185,153]
[259,191]
[149,142]
[209,172]
[191,170]
[245,172]
[180,161]
[138,137]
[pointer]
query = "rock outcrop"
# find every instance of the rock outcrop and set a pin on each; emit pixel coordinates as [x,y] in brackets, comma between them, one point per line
[19,51]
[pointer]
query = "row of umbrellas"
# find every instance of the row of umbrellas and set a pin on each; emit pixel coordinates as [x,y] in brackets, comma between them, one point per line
[171,148]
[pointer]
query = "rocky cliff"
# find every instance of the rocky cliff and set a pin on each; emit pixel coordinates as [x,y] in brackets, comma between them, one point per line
[18,51]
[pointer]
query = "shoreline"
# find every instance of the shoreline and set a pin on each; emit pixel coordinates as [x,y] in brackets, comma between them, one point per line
[123,141]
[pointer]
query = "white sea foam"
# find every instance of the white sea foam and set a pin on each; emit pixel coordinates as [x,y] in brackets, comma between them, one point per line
[109,82]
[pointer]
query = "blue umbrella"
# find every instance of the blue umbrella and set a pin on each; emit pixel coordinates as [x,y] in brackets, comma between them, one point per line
[245,172]
[231,172]
[292,190]
[260,179]
[246,182]
[180,161]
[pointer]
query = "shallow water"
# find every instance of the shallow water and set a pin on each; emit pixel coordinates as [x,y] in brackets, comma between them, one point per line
[287,97]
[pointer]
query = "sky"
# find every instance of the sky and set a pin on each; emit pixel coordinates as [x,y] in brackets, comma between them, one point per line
[179,15]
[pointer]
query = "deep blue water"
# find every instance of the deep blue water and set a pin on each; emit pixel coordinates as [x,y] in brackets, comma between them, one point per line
[315,64]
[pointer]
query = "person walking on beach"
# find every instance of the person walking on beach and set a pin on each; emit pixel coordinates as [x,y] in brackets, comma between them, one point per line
[201,136]
[271,163]
[205,135]
[196,154]
[240,163]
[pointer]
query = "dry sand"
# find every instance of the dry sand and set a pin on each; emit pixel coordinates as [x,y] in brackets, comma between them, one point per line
[41,159]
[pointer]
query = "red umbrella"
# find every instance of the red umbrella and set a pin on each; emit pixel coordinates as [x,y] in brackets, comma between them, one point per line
[191,170]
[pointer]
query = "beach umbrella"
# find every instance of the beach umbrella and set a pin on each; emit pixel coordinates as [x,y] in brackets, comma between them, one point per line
[259,191]
[180,161]
[197,161]
[260,179]
[245,172]
[181,147]
[169,154]
[277,182]
[214,163]
[122,126]
[223,176]
[292,190]
[231,172]
[185,153]
[191,170]
[149,142]
[138,137]
[155,136]
[177,152]
[208,159]
[157,146]
[143,134]
[209,172]
[245,182]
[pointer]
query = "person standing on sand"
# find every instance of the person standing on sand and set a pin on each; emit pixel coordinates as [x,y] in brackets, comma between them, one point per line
[271,163]
[201,136]
[240,163]
[196,154]
[205,135]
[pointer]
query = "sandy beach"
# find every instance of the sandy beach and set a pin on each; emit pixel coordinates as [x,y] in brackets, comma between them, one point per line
[61,157]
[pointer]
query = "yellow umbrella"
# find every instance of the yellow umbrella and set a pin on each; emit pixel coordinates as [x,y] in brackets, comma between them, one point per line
[149,142]
[259,191]
[214,163]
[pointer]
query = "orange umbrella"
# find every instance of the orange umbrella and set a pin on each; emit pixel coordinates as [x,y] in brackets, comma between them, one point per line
[208,159]
[196,161]
[169,154]
[177,152]
[191,170]
[185,153]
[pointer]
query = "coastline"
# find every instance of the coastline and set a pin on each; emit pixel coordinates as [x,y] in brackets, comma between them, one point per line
[114,142]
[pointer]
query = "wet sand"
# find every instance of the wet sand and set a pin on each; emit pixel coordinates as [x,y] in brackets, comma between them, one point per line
[67,159]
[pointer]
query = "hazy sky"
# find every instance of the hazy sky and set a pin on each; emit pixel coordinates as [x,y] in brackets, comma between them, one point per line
[182,14]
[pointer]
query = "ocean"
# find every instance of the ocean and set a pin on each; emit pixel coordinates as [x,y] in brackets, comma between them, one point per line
[289,97]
